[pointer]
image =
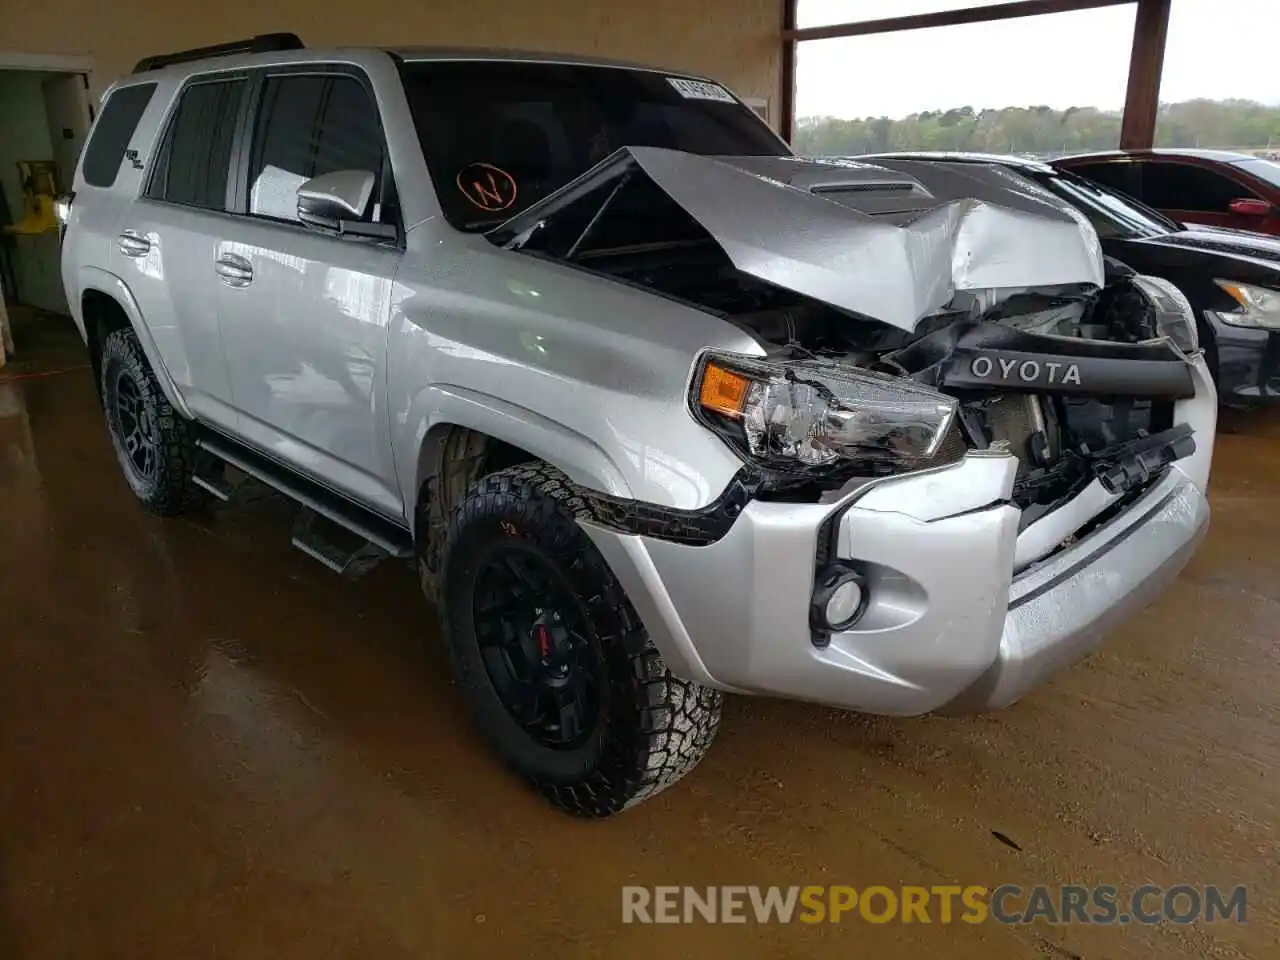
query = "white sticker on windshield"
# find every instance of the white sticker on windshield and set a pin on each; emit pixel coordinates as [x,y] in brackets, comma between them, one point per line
[700,90]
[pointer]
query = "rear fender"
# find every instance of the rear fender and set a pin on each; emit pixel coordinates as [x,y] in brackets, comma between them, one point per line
[95,278]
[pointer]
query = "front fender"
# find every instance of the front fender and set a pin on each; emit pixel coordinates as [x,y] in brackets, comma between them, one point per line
[581,459]
[95,278]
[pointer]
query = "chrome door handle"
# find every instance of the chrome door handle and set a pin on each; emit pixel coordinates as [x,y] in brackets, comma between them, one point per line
[132,245]
[234,270]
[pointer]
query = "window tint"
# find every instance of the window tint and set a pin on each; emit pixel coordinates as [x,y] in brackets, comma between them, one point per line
[112,132]
[310,125]
[193,161]
[1180,186]
[500,136]
[1121,175]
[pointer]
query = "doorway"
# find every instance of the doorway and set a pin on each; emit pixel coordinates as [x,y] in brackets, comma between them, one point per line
[44,120]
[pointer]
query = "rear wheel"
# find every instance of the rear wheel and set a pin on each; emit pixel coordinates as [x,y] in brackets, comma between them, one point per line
[560,675]
[154,444]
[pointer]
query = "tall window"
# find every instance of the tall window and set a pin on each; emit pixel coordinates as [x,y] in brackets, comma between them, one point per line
[1002,86]
[1220,87]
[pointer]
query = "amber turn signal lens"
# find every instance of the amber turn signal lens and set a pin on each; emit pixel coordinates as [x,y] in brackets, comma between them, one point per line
[723,391]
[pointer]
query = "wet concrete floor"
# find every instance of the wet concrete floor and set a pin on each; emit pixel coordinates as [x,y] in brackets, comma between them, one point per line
[212,747]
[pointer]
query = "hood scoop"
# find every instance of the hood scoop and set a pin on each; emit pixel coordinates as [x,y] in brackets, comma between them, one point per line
[893,242]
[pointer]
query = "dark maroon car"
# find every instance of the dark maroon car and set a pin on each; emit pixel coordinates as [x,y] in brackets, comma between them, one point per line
[1214,187]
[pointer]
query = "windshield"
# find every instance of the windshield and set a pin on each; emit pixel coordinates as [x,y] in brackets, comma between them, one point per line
[1267,170]
[1113,215]
[499,136]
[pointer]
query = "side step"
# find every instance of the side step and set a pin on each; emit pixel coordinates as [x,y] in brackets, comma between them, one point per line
[216,487]
[311,537]
[326,517]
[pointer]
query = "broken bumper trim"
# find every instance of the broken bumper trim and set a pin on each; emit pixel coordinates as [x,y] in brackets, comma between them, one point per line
[1061,611]
[947,627]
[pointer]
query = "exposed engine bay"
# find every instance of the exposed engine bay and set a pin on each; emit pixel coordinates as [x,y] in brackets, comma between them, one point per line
[1074,382]
[1075,371]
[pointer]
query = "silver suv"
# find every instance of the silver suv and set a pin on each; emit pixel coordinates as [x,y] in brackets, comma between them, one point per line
[658,409]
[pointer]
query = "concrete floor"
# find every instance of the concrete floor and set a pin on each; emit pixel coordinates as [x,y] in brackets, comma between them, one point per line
[212,747]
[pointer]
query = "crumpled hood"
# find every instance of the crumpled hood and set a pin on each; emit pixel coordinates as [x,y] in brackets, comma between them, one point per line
[895,240]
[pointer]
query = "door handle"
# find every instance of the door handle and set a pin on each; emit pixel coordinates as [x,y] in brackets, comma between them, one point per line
[132,245]
[234,270]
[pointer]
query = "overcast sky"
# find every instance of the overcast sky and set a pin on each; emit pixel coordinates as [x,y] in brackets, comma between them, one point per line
[1061,60]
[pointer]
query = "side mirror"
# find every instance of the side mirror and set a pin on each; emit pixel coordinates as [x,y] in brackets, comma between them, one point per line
[338,201]
[325,200]
[1250,208]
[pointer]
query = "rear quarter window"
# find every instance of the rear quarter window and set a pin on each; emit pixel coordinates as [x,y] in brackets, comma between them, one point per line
[113,131]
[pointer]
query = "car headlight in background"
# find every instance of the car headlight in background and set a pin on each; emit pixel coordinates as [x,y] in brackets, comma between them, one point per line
[810,414]
[1174,316]
[1259,307]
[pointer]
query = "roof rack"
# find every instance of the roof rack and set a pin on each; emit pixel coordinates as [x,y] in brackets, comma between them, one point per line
[262,43]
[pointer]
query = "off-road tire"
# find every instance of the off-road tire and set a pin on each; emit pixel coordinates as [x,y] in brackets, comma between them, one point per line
[167,490]
[653,727]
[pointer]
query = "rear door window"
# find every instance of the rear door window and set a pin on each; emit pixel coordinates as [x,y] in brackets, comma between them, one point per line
[1181,186]
[113,131]
[195,158]
[309,125]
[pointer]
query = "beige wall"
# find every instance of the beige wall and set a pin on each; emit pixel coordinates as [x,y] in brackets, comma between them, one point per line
[735,41]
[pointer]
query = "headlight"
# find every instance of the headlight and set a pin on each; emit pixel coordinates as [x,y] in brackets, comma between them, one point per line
[1259,307]
[1174,317]
[809,414]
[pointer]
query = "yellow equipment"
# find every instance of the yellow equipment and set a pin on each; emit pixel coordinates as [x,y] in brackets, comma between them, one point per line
[39,186]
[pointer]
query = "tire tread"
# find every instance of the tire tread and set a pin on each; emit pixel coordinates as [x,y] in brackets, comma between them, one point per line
[174,493]
[675,720]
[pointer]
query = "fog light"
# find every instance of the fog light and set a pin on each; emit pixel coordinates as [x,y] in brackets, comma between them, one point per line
[839,599]
[844,602]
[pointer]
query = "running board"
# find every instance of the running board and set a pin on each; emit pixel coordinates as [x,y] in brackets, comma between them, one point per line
[311,537]
[216,487]
[379,537]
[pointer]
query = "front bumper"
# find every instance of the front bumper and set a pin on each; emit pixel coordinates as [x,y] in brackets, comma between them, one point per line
[950,625]
[1248,364]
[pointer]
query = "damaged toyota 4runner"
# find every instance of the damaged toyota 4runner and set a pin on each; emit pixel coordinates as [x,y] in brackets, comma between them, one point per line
[658,409]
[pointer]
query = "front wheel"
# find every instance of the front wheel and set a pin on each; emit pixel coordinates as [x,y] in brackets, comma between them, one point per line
[560,675]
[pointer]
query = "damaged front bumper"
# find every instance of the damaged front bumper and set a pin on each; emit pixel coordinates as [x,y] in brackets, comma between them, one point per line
[965,612]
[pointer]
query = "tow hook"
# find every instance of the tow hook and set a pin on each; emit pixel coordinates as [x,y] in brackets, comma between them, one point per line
[1131,465]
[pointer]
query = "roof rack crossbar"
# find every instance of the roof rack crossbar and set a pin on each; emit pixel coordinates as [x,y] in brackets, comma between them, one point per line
[262,43]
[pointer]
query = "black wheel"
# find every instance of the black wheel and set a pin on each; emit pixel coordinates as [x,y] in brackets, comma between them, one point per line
[153,443]
[560,675]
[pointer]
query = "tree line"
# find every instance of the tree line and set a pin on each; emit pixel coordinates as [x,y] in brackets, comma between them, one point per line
[1241,124]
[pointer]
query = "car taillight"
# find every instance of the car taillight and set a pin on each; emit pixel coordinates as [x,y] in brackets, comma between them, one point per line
[62,207]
